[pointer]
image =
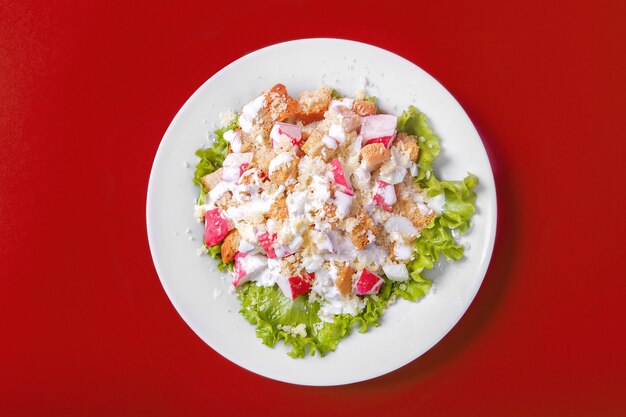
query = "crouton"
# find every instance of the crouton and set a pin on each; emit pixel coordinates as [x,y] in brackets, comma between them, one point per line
[330,214]
[364,230]
[279,103]
[374,155]
[211,180]
[278,210]
[364,108]
[409,209]
[264,124]
[308,129]
[344,279]
[314,145]
[285,172]
[230,246]
[313,104]
[407,144]
[262,158]
[392,251]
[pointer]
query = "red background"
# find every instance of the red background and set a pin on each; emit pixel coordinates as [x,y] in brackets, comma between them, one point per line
[86,93]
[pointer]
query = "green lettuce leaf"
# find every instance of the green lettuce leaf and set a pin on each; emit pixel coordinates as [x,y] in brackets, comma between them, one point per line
[413,289]
[335,94]
[215,252]
[436,239]
[414,122]
[211,159]
[270,311]
[460,201]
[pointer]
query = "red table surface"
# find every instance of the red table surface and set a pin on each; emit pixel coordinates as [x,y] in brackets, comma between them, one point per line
[87,90]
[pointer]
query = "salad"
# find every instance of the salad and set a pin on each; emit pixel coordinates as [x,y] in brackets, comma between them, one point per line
[326,210]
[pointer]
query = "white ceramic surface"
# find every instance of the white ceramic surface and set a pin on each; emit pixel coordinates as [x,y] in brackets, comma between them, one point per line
[192,282]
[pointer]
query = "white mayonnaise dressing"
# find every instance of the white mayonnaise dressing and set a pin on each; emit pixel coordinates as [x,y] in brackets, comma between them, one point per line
[402,225]
[322,241]
[424,209]
[373,255]
[232,165]
[218,191]
[270,274]
[249,112]
[394,170]
[338,133]
[255,206]
[332,302]
[344,250]
[402,251]
[388,194]
[437,203]
[245,246]
[396,272]
[312,263]
[329,142]
[280,160]
[295,203]
[345,103]
[319,193]
[234,138]
[343,202]
[361,178]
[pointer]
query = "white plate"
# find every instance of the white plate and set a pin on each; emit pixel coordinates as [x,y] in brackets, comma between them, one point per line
[191,281]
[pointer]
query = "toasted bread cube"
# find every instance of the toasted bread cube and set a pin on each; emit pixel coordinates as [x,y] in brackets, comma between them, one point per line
[344,280]
[313,104]
[278,210]
[364,231]
[308,129]
[407,144]
[211,180]
[265,120]
[374,155]
[330,214]
[262,159]
[279,103]
[364,108]
[285,171]
[409,209]
[230,246]
[314,144]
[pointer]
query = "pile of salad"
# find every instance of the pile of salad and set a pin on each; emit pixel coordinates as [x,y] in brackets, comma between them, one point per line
[325,210]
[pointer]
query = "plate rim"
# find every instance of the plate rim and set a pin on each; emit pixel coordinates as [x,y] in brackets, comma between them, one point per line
[491,222]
